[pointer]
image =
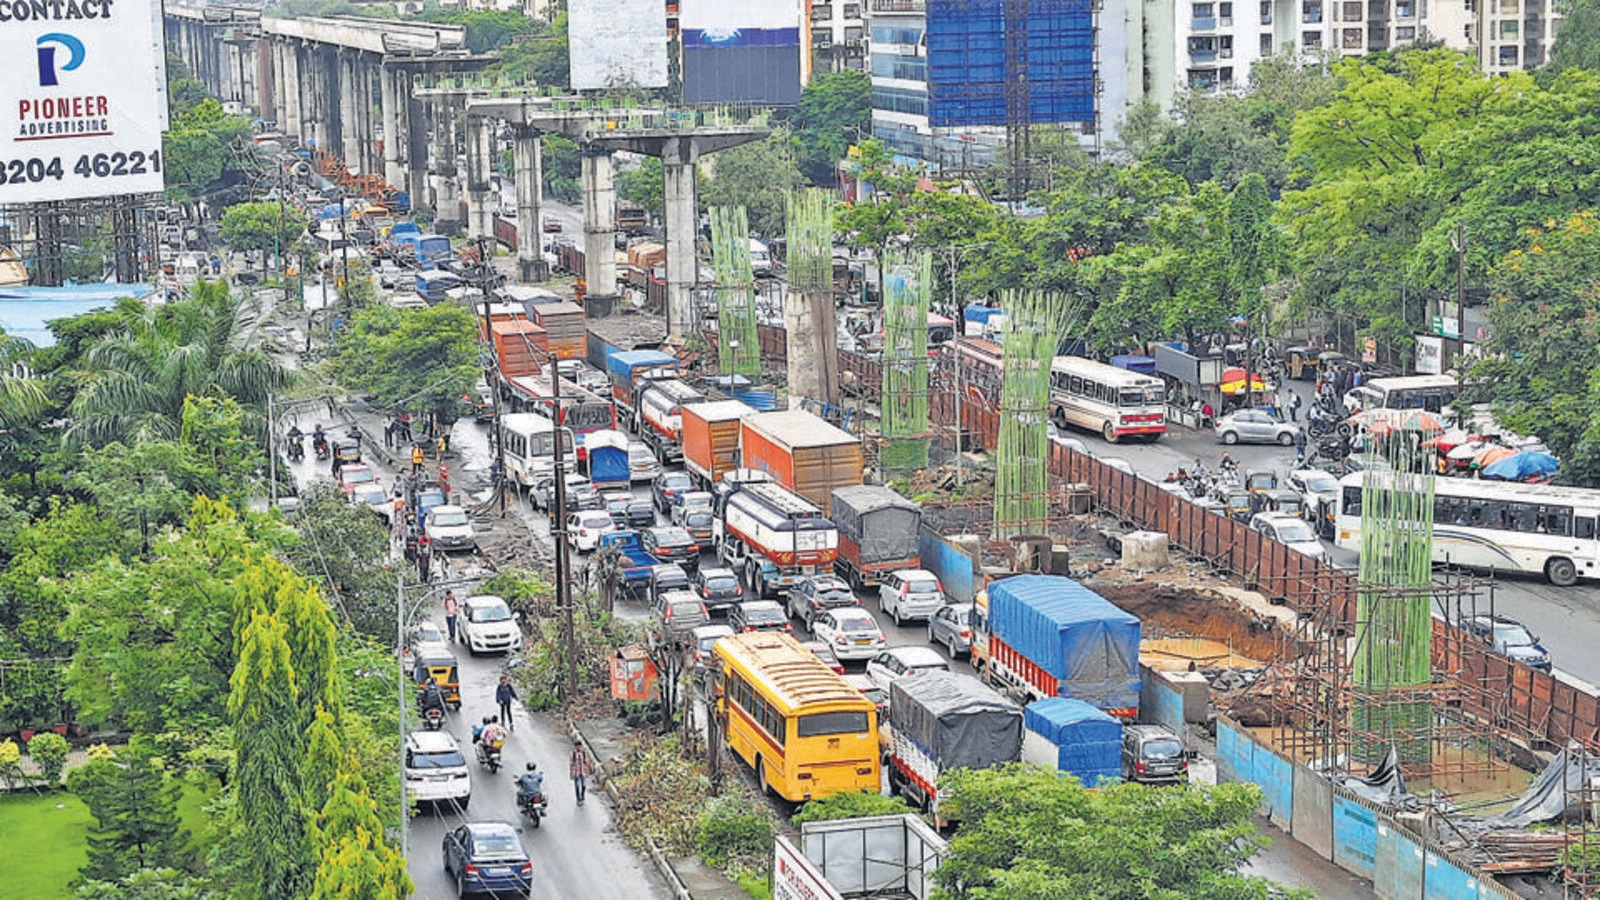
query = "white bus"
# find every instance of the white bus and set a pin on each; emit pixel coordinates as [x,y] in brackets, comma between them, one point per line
[1498,525]
[530,446]
[1433,393]
[1115,402]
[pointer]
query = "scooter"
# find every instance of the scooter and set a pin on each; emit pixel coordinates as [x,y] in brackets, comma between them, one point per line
[297,450]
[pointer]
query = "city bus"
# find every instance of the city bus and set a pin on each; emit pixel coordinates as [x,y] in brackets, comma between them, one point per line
[1115,402]
[1433,393]
[583,411]
[804,730]
[973,366]
[1499,526]
[530,446]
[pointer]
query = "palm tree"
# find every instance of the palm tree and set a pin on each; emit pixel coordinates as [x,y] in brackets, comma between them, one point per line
[135,380]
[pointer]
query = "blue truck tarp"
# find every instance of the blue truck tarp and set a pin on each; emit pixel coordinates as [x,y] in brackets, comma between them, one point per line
[979,313]
[608,458]
[1069,631]
[1088,742]
[623,362]
[1133,363]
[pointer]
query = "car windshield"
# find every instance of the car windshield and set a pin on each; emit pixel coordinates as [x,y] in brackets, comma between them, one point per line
[722,583]
[818,724]
[640,455]
[764,614]
[962,616]
[594,520]
[700,519]
[1294,532]
[1512,635]
[674,480]
[1163,748]
[1321,483]
[685,608]
[494,612]
[449,518]
[496,845]
[924,586]
[673,538]
[862,621]
[359,476]
[443,759]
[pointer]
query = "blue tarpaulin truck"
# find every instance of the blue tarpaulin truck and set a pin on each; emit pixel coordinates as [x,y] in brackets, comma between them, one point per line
[633,562]
[1073,737]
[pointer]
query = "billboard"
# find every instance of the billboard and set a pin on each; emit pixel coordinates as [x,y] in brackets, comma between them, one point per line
[741,52]
[617,44]
[84,99]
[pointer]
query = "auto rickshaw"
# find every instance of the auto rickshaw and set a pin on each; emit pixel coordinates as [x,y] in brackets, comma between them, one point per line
[1277,500]
[347,451]
[436,662]
[1237,504]
[1260,480]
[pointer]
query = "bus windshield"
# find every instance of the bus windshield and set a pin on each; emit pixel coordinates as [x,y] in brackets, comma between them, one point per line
[1137,396]
[819,724]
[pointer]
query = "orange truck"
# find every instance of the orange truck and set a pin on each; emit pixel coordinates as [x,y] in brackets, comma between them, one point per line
[711,438]
[801,452]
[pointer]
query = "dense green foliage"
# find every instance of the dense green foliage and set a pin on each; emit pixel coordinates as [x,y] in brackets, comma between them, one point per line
[538,57]
[835,112]
[423,356]
[204,141]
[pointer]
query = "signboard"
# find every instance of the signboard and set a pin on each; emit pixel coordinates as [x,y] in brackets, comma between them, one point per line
[1430,354]
[617,44]
[84,99]
[795,878]
[741,51]
[1369,350]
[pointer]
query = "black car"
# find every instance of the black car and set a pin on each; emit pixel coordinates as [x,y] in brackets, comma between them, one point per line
[667,577]
[639,514]
[818,593]
[671,543]
[719,588]
[758,615]
[666,490]
[616,503]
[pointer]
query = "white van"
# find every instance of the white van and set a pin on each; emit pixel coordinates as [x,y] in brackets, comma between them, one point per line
[760,259]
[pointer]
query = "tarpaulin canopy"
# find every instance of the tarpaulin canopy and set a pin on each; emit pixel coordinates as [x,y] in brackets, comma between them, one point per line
[1528,464]
[957,719]
[1071,632]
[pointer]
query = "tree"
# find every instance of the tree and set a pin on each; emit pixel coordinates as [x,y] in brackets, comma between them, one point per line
[851,805]
[263,709]
[135,806]
[487,30]
[424,356]
[563,167]
[540,57]
[644,185]
[1577,43]
[134,382]
[203,143]
[1027,832]
[758,176]
[261,226]
[49,752]
[149,884]
[345,549]
[835,112]
[355,862]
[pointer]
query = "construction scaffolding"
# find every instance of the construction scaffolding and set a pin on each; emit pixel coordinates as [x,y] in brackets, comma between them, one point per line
[738,347]
[904,400]
[83,241]
[1580,857]
[1033,328]
[808,310]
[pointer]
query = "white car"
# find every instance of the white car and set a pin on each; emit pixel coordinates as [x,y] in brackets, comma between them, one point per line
[851,632]
[488,626]
[450,528]
[1289,529]
[898,662]
[910,594]
[642,463]
[436,771]
[584,529]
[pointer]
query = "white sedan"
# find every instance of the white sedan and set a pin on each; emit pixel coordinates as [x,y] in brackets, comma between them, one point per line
[850,631]
[585,528]
[898,662]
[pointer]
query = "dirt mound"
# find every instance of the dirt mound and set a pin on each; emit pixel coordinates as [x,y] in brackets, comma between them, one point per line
[1168,611]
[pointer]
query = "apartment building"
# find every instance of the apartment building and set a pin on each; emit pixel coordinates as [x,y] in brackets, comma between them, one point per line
[838,36]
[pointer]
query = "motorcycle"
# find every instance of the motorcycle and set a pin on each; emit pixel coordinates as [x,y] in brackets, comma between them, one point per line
[297,451]
[433,718]
[532,803]
[321,448]
[489,755]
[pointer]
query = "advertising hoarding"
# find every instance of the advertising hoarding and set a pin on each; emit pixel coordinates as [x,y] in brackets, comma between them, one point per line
[741,52]
[83,101]
[617,44]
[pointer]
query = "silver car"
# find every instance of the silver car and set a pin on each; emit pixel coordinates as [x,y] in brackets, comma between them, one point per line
[910,594]
[952,627]
[1254,426]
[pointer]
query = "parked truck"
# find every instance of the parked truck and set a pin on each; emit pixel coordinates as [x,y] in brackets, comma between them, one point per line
[802,452]
[630,371]
[625,562]
[608,460]
[878,533]
[660,415]
[1041,636]
[711,438]
[944,721]
[773,536]
[1074,738]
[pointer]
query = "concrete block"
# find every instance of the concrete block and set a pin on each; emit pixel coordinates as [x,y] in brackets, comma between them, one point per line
[1195,693]
[1144,551]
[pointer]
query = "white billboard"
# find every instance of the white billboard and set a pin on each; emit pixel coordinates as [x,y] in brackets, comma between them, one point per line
[83,101]
[616,44]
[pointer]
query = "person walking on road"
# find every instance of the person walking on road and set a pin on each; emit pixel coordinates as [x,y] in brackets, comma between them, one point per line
[417,458]
[451,609]
[1299,446]
[1294,406]
[580,772]
[504,693]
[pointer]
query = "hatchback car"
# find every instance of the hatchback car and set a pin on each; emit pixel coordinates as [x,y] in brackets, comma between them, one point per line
[758,615]
[1254,426]
[351,477]
[668,488]
[952,627]
[869,689]
[671,543]
[718,587]
[703,639]
[817,594]
[489,626]
[701,525]
[667,577]
[676,615]
[642,463]
[687,503]
[826,654]
[1290,529]
[436,771]
[374,498]
[450,528]
[1511,638]
[852,633]
[487,857]
[910,594]
[1152,754]
[898,662]
[584,529]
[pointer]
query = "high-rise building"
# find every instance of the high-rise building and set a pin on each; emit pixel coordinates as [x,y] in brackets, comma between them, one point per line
[838,36]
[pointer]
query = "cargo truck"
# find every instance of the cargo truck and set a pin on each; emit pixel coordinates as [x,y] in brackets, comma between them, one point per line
[660,415]
[711,439]
[773,537]
[1039,636]
[630,371]
[878,533]
[802,452]
[568,337]
[633,563]
[1074,738]
[943,721]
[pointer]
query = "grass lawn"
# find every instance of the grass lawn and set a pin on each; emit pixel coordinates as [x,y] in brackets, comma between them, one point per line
[55,842]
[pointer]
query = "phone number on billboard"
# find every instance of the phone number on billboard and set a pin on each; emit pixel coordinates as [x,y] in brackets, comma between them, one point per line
[95,165]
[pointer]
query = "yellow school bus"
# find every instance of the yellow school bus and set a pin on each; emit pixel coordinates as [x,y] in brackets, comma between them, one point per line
[802,728]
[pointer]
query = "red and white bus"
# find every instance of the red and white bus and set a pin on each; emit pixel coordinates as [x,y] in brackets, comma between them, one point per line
[973,367]
[1115,402]
[583,411]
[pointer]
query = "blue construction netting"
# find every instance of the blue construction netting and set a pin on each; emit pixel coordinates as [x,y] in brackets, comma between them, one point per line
[967,69]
